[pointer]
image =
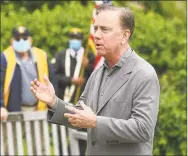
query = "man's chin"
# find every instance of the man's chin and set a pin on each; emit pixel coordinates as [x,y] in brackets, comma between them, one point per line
[100,53]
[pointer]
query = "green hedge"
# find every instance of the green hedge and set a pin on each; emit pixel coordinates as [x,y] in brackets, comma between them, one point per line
[49,27]
[160,40]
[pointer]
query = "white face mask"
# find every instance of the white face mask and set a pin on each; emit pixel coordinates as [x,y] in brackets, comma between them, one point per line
[21,46]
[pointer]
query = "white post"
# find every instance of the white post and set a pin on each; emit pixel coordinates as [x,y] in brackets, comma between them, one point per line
[74,146]
[19,134]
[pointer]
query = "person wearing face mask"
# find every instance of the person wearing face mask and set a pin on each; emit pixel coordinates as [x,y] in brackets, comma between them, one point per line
[68,64]
[20,63]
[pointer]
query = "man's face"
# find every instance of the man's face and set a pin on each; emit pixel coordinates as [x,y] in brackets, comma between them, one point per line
[21,43]
[75,43]
[108,34]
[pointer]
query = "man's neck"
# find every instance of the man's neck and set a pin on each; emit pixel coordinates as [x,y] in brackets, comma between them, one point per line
[116,58]
[24,56]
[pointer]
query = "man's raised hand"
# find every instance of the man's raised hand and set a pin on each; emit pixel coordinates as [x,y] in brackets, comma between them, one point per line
[44,92]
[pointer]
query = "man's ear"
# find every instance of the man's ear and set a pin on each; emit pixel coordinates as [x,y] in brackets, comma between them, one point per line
[126,35]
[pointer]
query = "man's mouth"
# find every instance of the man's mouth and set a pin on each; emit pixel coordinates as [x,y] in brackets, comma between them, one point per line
[98,46]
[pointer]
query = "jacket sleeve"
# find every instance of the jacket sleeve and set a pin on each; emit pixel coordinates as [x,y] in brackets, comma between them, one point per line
[56,115]
[140,127]
[3,67]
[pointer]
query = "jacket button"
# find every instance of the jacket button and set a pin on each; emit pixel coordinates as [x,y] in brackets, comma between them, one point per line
[93,143]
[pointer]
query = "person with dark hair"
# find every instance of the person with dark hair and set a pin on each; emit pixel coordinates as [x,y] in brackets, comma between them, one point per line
[119,105]
[20,63]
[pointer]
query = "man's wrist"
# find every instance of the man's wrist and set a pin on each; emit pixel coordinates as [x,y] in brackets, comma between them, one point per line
[53,101]
[94,124]
[3,108]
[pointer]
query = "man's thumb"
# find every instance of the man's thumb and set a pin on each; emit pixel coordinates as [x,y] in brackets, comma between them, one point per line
[83,105]
[47,80]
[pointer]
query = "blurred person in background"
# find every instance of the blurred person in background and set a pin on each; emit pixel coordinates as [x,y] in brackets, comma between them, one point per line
[68,65]
[20,63]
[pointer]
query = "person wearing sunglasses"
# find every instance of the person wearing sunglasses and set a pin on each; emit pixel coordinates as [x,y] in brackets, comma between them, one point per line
[20,63]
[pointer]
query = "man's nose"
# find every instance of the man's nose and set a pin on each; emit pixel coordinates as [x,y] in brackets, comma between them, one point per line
[97,34]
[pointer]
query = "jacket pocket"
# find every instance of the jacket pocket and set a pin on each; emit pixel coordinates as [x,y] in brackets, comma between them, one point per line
[119,109]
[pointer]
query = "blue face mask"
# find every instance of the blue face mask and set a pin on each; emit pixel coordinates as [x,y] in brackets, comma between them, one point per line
[75,44]
[21,46]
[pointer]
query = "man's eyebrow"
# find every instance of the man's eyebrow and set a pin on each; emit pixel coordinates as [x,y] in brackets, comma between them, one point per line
[100,26]
[104,26]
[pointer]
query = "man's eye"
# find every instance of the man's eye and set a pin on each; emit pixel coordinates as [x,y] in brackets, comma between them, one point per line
[105,30]
[95,29]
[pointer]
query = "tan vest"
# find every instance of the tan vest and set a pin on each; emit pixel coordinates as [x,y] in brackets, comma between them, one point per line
[42,68]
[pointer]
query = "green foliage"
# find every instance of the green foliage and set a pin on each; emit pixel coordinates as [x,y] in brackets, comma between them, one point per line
[167,9]
[170,137]
[159,37]
[156,37]
[162,42]
[49,27]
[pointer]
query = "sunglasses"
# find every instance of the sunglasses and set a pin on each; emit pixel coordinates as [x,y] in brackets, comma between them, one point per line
[19,37]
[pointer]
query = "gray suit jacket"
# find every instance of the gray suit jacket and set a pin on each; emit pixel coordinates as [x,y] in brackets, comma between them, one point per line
[127,115]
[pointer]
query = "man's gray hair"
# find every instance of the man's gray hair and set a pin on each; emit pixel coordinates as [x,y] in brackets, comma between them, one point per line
[126,16]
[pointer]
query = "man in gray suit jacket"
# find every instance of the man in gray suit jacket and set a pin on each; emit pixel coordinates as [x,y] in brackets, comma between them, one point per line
[121,97]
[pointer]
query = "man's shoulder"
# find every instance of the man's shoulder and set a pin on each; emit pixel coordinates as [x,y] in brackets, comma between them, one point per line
[97,70]
[61,53]
[38,49]
[143,67]
[3,60]
[6,53]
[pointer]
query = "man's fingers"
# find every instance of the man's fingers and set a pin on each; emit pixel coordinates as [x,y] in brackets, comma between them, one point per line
[32,83]
[47,80]
[68,115]
[72,109]
[5,117]
[33,91]
[36,82]
[74,125]
[72,120]
[35,87]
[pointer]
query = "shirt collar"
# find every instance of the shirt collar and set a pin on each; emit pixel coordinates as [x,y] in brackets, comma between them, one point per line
[76,54]
[122,59]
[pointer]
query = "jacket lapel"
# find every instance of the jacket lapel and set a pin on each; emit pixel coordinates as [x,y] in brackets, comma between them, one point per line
[95,95]
[121,78]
